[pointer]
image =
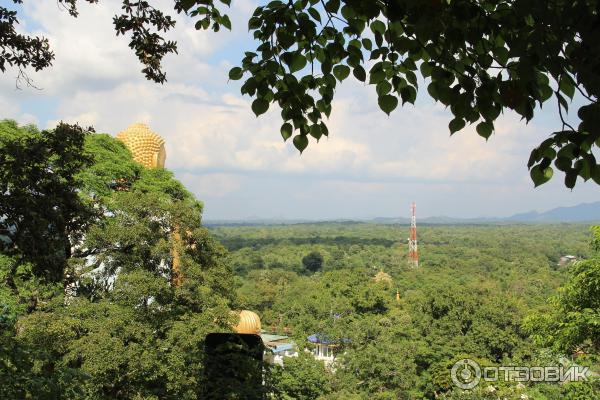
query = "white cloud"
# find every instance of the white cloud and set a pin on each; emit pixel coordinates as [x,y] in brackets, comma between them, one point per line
[97,82]
[214,142]
[212,184]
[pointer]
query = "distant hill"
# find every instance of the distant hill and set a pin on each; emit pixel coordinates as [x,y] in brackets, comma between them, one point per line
[585,212]
[580,212]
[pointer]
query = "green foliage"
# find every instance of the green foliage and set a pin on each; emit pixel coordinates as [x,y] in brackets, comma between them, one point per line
[302,378]
[595,238]
[313,261]
[109,324]
[574,323]
[24,50]
[500,59]
[469,299]
[477,58]
[113,167]
[41,212]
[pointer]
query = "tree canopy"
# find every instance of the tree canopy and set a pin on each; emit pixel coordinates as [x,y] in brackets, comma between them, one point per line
[573,324]
[477,58]
[87,305]
[313,261]
[107,319]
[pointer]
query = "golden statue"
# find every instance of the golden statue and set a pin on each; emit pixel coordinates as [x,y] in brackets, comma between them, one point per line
[147,147]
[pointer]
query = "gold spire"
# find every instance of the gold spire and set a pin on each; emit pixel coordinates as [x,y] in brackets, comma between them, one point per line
[397,295]
[147,147]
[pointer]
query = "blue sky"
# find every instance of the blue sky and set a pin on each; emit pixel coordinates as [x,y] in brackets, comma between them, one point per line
[371,165]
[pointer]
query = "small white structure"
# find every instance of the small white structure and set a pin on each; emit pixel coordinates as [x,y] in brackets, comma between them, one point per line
[277,347]
[323,349]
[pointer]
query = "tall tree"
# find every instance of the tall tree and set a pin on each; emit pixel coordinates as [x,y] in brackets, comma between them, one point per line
[313,261]
[574,320]
[121,330]
[41,213]
[480,58]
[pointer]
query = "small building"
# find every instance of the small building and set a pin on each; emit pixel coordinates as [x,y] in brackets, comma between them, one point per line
[323,349]
[277,347]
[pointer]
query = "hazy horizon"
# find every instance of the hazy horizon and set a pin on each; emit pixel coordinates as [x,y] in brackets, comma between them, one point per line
[251,218]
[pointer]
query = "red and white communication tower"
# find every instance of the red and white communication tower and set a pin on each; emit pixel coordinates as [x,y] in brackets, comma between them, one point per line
[413,251]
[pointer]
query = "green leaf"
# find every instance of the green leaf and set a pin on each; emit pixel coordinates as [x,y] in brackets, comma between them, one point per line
[359,73]
[562,102]
[254,23]
[260,106]
[456,125]
[595,173]
[376,77]
[187,4]
[300,142]
[235,73]
[425,69]
[563,164]
[545,92]
[226,22]
[408,94]
[314,13]
[539,176]
[286,131]
[332,6]
[383,88]
[387,103]
[315,131]
[432,90]
[367,44]
[485,129]
[378,27]
[298,62]
[590,120]
[571,178]
[567,87]
[341,72]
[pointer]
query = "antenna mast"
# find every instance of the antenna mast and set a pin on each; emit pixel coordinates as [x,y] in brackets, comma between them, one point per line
[413,252]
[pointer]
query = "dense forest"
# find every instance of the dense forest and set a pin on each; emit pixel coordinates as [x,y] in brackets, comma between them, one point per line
[89,308]
[476,295]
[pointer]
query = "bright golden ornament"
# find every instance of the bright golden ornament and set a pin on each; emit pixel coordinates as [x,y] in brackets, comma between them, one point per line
[249,323]
[146,146]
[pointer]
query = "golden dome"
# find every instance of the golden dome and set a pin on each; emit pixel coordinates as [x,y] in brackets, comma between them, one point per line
[249,323]
[147,147]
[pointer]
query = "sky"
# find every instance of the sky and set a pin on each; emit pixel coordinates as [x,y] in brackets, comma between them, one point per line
[371,165]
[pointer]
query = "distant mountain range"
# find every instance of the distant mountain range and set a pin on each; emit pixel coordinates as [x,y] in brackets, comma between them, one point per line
[585,212]
[580,212]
